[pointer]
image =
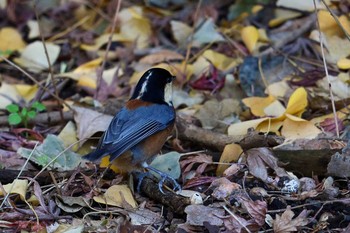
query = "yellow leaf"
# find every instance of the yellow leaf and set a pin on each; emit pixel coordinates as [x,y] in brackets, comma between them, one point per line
[294,128]
[271,125]
[105,163]
[16,187]
[10,40]
[86,81]
[161,56]
[329,26]
[220,61]
[263,35]
[117,195]
[181,32]
[250,36]
[89,66]
[241,128]
[282,15]
[26,91]
[135,27]
[257,105]
[69,136]
[230,154]
[344,21]
[344,63]
[297,102]
[102,40]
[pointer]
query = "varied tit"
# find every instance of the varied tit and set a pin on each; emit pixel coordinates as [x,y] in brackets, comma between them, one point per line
[138,132]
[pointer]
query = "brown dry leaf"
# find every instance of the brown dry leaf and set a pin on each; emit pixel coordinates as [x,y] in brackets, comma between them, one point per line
[256,209]
[223,188]
[161,56]
[117,195]
[231,170]
[190,161]
[90,122]
[198,214]
[285,223]
[258,158]
[230,154]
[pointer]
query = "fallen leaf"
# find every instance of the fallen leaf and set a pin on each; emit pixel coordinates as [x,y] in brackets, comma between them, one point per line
[69,136]
[258,159]
[117,195]
[135,26]
[286,223]
[223,188]
[257,105]
[46,152]
[181,32]
[10,40]
[198,214]
[90,122]
[294,128]
[17,187]
[168,163]
[38,62]
[161,56]
[231,153]
[207,33]
[250,36]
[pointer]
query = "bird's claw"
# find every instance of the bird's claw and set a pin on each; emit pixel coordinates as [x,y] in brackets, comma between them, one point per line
[176,186]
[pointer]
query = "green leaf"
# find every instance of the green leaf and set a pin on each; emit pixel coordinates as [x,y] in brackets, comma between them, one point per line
[12,108]
[14,119]
[24,112]
[31,114]
[38,106]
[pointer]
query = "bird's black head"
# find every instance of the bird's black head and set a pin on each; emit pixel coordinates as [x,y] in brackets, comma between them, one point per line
[155,86]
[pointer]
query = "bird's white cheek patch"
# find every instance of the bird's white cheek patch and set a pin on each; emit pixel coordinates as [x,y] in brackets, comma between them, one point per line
[168,94]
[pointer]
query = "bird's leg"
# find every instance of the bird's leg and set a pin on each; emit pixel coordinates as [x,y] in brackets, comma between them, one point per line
[164,177]
[139,177]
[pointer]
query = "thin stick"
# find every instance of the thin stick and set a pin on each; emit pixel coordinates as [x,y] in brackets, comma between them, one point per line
[51,76]
[327,75]
[335,18]
[101,69]
[234,216]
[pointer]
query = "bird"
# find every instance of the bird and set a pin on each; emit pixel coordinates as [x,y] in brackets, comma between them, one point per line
[139,130]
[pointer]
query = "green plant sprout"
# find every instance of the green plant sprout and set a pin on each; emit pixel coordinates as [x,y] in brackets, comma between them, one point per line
[23,114]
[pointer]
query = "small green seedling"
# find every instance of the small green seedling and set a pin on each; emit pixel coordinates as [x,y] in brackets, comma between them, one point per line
[22,115]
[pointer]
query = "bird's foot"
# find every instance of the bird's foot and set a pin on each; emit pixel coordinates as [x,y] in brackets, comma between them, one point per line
[139,177]
[164,178]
